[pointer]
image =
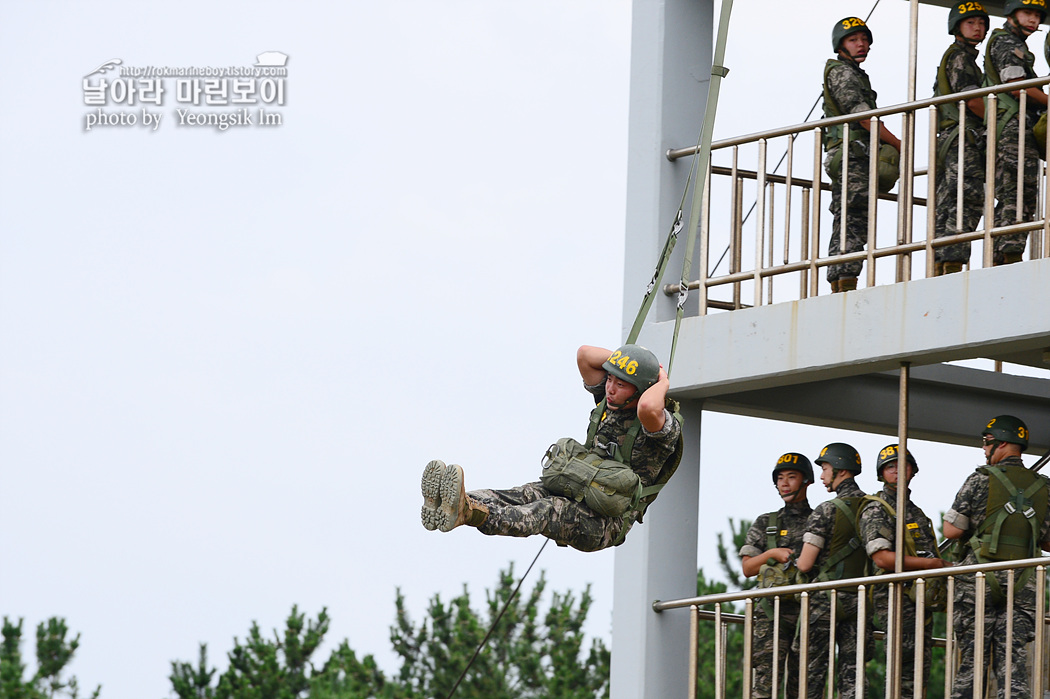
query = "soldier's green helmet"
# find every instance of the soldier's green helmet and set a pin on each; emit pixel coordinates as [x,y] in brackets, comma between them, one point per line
[1012,6]
[841,457]
[1007,428]
[793,461]
[963,10]
[888,455]
[634,364]
[851,25]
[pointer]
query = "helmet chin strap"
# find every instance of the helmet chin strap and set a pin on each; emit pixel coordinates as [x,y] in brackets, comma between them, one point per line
[792,497]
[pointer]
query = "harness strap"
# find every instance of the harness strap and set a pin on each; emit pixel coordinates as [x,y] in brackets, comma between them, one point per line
[836,559]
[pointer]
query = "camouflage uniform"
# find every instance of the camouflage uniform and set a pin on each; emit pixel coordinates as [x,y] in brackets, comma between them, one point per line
[878,531]
[819,532]
[791,525]
[1007,58]
[960,73]
[847,86]
[967,513]
[532,509]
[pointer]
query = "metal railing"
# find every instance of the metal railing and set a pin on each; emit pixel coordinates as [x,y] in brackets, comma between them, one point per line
[896,583]
[794,226]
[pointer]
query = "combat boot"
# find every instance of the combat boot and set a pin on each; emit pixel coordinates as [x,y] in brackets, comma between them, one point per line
[1005,258]
[951,267]
[844,284]
[445,502]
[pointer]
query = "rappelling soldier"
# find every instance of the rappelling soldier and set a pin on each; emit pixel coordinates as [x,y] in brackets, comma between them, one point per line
[589,495]
[847,90]
[831,547]
[1007,59]
[878,532]
[770,550]
[958,72]
[1001,513]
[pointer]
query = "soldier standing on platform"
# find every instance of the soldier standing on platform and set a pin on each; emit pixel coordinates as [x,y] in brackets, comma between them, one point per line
[958,72]
[847,90]
[770,550]
[878,532]
[832,547]
[1007,59]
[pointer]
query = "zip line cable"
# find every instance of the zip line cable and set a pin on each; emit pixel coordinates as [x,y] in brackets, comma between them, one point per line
[782,157]
[496,621]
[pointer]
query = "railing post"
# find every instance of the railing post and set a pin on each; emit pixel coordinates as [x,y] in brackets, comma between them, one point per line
[978,637]
[931,192]
[705,241]
[919,663]
[1010,595]
[720,654]
[990,116]
[949,641]
[749,631]
[1040,631]
[873,195]
[760,220]
[737,225]
[694,650]
[789,179]
[803,645]
[814,252]
[803,244]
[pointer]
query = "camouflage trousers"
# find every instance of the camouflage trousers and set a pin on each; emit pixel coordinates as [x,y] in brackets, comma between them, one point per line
[531,509]
[995,650]
[1006,210]
[856,210]
[786,660]
[846,639]
[946,221]
[908,638]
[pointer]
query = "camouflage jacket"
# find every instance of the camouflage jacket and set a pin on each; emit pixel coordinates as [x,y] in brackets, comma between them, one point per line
[651,449]
[878,530]
[791,525]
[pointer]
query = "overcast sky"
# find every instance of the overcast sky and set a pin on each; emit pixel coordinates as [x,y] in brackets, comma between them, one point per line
[226,356]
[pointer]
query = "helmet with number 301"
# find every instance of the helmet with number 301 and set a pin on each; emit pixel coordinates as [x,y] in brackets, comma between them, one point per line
[1012,6]
[841,457]
[1007,428]
[634,364]
[848,26]
[793,461]
[964,10]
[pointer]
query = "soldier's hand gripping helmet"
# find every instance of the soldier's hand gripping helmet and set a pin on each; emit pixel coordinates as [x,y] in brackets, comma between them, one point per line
[1011,6]
[1007,428]
[888,455]
[634,364]
[841,457]
[793,461]
[848,26]
[963,10]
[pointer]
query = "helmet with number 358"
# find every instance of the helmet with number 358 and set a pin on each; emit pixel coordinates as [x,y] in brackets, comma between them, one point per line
[634,364]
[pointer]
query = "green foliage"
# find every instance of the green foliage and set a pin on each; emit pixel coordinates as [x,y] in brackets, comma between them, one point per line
[53,655]
[729,560]
[530,654]
[524,658]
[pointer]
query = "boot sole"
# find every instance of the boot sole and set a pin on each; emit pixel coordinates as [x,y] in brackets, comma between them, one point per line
[451,498]
[430,484]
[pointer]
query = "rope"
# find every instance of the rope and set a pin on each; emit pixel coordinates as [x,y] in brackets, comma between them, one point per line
[496,621]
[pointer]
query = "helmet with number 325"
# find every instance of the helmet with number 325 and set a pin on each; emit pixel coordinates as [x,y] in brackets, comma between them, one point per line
[964,10]
[634,364]
[1011,6]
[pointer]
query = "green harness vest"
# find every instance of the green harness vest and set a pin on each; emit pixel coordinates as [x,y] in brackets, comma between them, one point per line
[606,483]
[1008,106]
[1016,509]
[846,557]
[772,573]
[833,134]
[948,113]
